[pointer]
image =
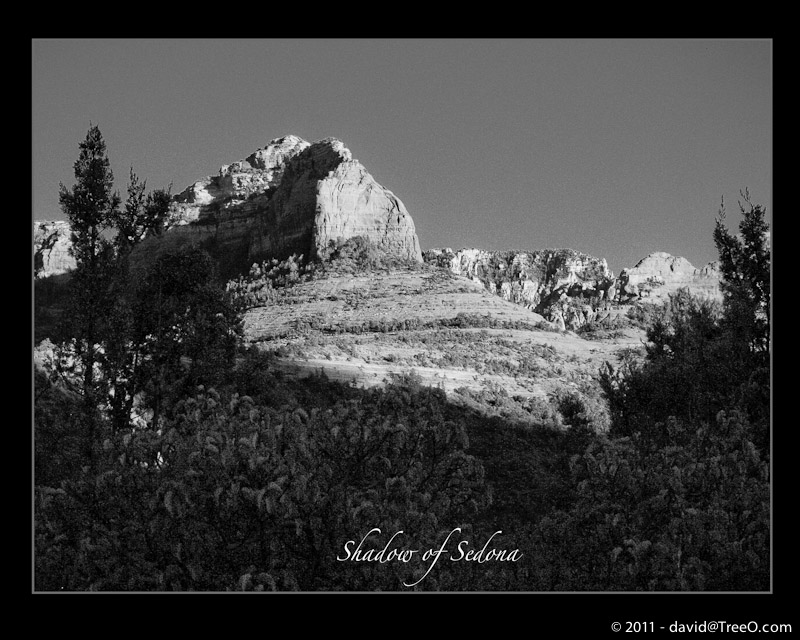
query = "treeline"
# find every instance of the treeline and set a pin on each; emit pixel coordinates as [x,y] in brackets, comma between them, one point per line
[168,457]
[388,325]
[304,326]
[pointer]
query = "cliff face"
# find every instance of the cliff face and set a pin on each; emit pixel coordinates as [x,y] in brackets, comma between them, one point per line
[570,288]
[223,195]
[324,196]
[660,274]
[350,203]
[51,243]
[290,197]
[534,279]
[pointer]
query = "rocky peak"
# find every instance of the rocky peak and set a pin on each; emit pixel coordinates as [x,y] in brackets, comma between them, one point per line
[662,264]
[276,153]
[659,274]
[316,161]
[236,182]
[326,196]
[289,197]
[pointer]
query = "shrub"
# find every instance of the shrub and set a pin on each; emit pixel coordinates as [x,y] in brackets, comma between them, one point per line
[232,487]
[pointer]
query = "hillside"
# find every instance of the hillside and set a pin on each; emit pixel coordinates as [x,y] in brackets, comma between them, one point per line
[369,327]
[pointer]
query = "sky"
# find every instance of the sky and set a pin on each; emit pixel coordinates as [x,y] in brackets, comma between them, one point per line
[613,147]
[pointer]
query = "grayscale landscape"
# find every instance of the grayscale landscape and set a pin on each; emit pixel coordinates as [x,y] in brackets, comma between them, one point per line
[523,346]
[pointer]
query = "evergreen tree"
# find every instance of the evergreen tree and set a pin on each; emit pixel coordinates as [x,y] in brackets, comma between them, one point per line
[91,206]
[745,268]
[144,214]
[702,359]
[106,307]
[184,330]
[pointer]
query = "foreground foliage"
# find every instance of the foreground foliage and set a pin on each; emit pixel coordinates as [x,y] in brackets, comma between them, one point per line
[241,492]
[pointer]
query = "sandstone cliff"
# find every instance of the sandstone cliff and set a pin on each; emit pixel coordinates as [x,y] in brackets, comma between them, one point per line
[51,243]
[571,289]
[534,279]
[224,193]
[288,197]
[325,195]
[660,274]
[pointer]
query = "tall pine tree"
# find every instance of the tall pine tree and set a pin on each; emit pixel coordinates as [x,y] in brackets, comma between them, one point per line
[745,264]
[745,268]
[91,206]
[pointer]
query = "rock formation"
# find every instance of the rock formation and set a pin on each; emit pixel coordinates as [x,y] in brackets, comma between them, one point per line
[326,196]
[571,289]
[294,197]
[660,274]
[51,243]
[224,193]
[289,197]
[534,279]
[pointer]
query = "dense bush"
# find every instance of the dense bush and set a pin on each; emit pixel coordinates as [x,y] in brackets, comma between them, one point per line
[679,498]
[690,515]
[358,255]
[236,493]
[263,283]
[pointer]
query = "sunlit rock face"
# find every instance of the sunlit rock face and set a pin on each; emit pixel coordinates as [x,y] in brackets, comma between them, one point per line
[235,183]
[51,243]
[570,288]
[326,196]
[660,274]
[290,197]
[532,278]
[351,203]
